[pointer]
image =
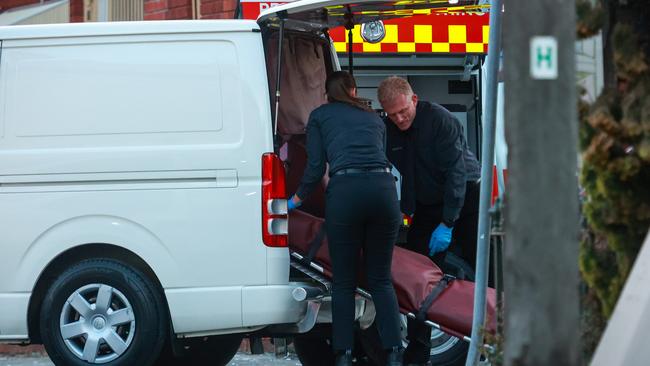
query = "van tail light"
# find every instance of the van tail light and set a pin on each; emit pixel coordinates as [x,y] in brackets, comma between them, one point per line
[275,218]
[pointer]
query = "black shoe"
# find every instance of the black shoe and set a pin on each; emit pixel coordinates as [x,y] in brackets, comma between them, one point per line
[344,358]
[394,357]
[416,354]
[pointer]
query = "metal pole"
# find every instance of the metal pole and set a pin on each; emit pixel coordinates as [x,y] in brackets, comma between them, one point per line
[487,160]
[278,79]
[350,56]
[497,237]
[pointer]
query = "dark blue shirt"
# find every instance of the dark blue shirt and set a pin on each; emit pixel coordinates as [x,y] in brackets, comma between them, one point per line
[345,137]
[434,160]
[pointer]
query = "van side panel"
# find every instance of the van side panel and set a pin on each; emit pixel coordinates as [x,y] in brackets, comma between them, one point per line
[149,142]
[144,78]
[13,315]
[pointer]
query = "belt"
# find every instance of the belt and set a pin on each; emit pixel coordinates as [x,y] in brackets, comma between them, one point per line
[361,171]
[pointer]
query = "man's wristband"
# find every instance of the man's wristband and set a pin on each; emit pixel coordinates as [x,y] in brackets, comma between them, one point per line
[448,223]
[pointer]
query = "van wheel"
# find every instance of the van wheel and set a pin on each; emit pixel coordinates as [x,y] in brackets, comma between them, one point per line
[101,311]
[446,350]
[213,351]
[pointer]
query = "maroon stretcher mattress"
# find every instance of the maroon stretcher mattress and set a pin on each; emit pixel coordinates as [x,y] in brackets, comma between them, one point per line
[414,277]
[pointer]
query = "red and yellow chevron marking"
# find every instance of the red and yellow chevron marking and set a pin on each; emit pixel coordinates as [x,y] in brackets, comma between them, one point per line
[434,33]
[462,29]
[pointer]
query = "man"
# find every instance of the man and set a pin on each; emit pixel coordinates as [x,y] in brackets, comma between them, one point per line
[440,186]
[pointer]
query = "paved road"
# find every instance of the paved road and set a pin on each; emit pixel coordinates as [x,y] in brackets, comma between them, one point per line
[241,359]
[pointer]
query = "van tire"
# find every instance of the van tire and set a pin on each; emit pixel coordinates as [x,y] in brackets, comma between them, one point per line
[446,350]
[135,336]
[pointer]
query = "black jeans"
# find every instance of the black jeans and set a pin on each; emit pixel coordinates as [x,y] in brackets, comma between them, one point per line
[463,243]
[362,214]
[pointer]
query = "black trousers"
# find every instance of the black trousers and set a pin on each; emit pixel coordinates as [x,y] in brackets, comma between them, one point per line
[463,243]
[362,214]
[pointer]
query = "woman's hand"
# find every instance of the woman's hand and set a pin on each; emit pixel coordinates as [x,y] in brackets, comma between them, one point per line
[293,203]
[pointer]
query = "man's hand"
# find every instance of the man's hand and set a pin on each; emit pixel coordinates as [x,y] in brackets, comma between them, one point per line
[440,239]
[293,203]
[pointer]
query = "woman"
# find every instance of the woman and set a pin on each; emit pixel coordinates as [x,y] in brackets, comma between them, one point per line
[361,213]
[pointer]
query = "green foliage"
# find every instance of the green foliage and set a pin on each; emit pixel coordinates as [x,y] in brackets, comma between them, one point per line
[590,18]
[615,143]
[494,355]
[592,322]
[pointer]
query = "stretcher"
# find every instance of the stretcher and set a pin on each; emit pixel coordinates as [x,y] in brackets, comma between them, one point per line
[423,291]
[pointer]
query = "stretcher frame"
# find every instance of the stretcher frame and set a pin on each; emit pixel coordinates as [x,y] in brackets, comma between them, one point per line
[317,273]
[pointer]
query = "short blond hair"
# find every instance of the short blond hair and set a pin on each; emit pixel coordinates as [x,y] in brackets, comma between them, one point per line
[391,87]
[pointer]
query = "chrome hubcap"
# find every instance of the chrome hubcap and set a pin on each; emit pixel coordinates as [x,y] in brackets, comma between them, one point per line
[97,323]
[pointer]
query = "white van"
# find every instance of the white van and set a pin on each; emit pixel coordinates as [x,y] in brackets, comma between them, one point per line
[142,192]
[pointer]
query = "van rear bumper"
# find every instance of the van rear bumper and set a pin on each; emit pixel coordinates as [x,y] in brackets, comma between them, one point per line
[235,309]
[266,305]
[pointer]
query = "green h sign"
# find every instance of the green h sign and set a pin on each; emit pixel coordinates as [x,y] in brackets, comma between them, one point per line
[543,57]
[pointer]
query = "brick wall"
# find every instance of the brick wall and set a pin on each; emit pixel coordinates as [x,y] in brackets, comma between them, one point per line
[76,7]
[218,9]
[8,4]
[182,9]
[12,350]
[153,9]
[76,11]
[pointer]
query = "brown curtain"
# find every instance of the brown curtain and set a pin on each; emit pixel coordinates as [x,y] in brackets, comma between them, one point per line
[302,84]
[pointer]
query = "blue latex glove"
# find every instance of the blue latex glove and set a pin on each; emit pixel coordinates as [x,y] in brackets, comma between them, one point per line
[440,239]
[292,205]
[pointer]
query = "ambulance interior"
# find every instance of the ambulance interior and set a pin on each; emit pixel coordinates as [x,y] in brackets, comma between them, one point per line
[450,80]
